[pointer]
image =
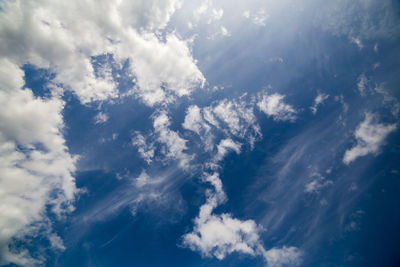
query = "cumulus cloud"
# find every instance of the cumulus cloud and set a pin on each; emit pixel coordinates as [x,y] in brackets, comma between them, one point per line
[35,164]
[64,37]
[218,235]
[370,136]
[274,106]
[221,235]
[285,256]
[318,101]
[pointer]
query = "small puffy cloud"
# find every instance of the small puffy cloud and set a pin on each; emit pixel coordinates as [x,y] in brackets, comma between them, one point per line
[174,144]
[316,185]
[357,41]
[370,136]
[224,146]
[285,256]
[224,31]
[194,121]
[236,115]
[145,150]
[220,235]
[101,118]
[318,101]
[274,106]
[259,18]
[217,13]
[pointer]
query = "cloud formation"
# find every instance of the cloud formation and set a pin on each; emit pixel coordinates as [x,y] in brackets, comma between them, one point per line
[36,168]
[319,99]
[52,36]
[274,106]
[370,136]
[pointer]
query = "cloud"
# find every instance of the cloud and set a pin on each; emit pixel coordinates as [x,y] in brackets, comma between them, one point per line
[194,121]
[274,106]
[362,84]
[318,101]
[220,235]
[238,116]
[370,136]
[36,168]
[145,150]
[316,185]
[234,118]
[258,18]
[223,147]
[285,256]
[357,41]
[174,144]
[101,118]
[65,37]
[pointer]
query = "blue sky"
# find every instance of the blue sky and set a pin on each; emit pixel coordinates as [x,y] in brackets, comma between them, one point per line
[199,133]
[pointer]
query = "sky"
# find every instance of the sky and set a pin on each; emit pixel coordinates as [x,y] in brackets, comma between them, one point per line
[199,133]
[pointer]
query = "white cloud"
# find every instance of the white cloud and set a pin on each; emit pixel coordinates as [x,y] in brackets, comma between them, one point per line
[357,41]
[221,235]
[318,101]
[64,37]
[145,150]
[174,144]
[362,84]
[259,18]
[237,115]
[316,185]
[194,121]
[370,137]
[217,13]
[285,256]
[101,118]
[35,164]
[224,31]
[224,145]
[274,106]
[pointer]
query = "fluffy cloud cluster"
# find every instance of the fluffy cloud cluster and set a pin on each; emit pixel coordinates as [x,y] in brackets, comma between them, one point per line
[65,37]
[218,235]
[36,168]
[232,118]
[274,106]
[370,137]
